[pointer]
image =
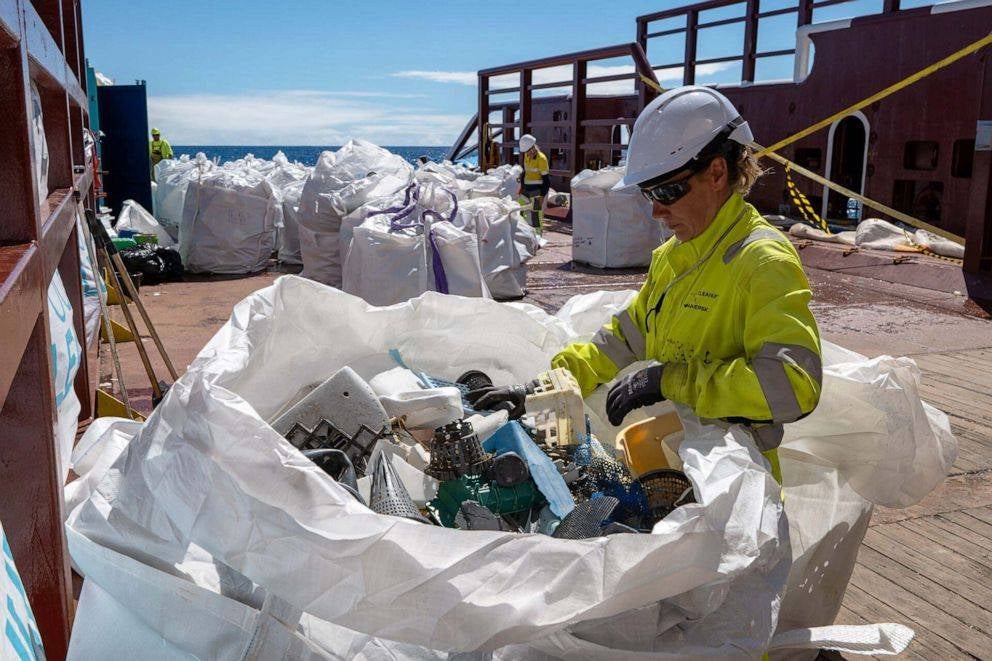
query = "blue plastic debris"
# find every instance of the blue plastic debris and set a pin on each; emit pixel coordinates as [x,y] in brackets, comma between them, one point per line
[511,437]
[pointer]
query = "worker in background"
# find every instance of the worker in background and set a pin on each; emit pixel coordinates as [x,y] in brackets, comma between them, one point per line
[537,176]
[159,149]
[724,315]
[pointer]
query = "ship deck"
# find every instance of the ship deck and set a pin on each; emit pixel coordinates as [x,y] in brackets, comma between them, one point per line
[928,566]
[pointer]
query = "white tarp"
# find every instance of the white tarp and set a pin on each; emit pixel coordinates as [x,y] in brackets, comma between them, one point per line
[341,182]
[878,234]
[804,231]
[172,177]
[611,229]
[65,353]
[133,216]
[229,222]
[210,534]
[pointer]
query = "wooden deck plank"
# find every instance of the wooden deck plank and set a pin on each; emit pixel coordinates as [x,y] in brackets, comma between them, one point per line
[958,492]
[954,364]
[962,406]
[972,523]
[972,456]
[969,579]
[963,532]
[921,612]
[935,594]
[981,513]
[875,606]
[935,533]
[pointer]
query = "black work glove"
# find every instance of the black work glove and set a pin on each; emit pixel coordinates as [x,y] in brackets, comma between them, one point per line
[642,388]
[501,398]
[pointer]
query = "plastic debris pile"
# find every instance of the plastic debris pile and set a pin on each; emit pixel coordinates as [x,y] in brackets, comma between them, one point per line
[553,477]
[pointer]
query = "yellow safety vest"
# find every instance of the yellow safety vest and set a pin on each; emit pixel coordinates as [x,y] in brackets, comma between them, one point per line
[159,149]
[727,314]
[535,168]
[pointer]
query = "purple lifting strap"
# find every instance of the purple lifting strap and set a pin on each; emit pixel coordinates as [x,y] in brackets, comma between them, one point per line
[410,201]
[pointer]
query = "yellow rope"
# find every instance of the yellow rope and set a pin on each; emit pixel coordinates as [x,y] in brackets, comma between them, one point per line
[891,89]
[878,206]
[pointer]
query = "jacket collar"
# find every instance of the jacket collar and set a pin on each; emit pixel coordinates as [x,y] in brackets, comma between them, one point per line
[697,246]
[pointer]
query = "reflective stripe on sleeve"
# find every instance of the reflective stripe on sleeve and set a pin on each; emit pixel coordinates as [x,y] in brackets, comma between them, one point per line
[614,348]
[769,366]
[635,339]
[756,235]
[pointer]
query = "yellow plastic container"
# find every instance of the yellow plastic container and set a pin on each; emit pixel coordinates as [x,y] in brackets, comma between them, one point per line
[651,444]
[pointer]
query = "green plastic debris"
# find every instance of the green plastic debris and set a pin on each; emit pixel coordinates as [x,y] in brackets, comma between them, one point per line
[497,499]
[145,238]
[124,244]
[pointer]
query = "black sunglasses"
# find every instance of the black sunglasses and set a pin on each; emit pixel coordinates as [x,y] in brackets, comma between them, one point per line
[668,193]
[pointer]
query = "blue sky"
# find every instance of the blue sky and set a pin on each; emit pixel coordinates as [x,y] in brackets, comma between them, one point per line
[310,72]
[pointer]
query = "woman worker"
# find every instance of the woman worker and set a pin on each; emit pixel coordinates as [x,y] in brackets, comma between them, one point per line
[724,313]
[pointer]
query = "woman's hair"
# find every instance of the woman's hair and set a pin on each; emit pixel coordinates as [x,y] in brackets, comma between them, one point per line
[742,168]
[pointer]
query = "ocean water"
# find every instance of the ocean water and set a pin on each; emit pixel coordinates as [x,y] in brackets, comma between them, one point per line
[306,155]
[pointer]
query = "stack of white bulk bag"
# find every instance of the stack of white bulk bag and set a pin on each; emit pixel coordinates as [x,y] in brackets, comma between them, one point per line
[340,183]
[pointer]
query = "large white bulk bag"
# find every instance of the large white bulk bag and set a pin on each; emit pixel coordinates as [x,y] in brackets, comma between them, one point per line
[412,247]
[133,216]
[229,223]
[245,549]
[172,177]
[387,266]
[611,229]
[289,234]
[340,183]
[496,222]
[380,205]
[458,258]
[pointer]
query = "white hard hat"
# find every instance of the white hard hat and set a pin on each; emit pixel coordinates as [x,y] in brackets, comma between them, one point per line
[526,142]
[674,128]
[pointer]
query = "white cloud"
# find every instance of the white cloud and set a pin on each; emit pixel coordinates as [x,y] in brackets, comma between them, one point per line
[460,77]
[667,77]
[299,117]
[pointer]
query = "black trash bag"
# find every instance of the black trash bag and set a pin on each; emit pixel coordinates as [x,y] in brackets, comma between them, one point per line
[173,262]
[155,264]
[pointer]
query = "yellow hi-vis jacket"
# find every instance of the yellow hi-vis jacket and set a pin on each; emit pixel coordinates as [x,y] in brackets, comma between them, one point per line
[535,168]
[159,149]
[734,333]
